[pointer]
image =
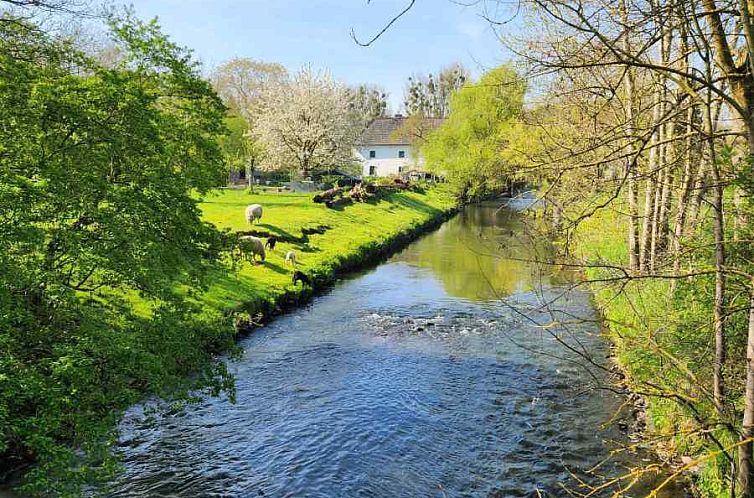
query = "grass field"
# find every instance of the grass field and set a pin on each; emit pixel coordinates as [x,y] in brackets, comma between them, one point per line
[325,240]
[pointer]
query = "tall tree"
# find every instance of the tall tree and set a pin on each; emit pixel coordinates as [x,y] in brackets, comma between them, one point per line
[241,81]
[241,151]
[368,103]
[305,124]
[466,148]
[100,168]
[430,95]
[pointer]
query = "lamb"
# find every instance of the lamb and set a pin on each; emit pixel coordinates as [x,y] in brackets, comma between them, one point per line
[290,257]
[299,276]
[250,245]
[253,212]
[270,244]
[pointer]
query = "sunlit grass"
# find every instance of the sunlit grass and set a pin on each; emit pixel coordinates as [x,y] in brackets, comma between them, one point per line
[347,235]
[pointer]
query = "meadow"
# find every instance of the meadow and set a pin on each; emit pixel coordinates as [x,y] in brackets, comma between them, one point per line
[326,241]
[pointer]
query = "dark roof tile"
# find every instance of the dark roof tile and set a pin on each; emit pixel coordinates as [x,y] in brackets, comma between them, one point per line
[384,131]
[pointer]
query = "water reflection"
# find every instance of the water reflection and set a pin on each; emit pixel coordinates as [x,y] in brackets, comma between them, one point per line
[484,253]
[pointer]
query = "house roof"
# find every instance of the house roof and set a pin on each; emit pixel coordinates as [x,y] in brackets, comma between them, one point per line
[384,131]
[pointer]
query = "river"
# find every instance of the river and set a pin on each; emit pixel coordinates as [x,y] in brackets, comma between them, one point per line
[440,373]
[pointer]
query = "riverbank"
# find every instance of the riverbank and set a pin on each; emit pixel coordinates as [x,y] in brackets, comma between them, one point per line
[69,396]
[327,242]
[655,332]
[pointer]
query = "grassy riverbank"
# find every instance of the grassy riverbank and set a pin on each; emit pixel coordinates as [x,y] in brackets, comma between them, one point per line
[69,395]
[326,241]
[658,332]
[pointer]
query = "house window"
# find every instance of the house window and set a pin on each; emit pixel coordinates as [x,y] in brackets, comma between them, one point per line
[372,170]
[372,154]
[400,169]
[401,154]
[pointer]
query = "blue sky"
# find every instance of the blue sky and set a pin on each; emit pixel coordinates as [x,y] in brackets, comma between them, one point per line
[433,34]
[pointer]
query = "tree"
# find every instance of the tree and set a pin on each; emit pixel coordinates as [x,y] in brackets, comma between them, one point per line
[99,175]
[241,81]
[368,103]
[466,148]
[242,152]
[305,124]
[430,95]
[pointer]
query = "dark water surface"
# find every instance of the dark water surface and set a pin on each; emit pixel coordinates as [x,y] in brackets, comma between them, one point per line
[427,376]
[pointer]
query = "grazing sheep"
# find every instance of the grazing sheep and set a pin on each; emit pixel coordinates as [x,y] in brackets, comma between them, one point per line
[253,212]
[299,276]
[270,244]
[290,257]
[248,245]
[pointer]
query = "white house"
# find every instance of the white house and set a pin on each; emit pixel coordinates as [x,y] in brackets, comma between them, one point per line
[386,148]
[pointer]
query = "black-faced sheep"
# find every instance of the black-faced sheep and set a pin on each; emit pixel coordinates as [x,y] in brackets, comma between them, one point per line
[250,246]
[270,244]
[253,212]
[299,276]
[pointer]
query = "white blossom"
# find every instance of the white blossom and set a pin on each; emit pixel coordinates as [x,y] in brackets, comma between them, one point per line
[305,124]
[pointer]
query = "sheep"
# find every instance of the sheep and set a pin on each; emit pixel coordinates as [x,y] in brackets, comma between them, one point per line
[299,276]
[253,212]
[250,245]
[290,257]
[270,244]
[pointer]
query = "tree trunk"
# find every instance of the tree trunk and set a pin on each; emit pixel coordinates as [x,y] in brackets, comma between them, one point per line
[250,175]
[683,197]
[719,232]
[745,464]
[700,190]
[651,185]
[646,228]
[656,219]
[667,157]
[633,200]
[667,191]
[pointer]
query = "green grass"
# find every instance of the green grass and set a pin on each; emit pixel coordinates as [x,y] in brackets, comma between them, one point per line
[650,325]
[350,234]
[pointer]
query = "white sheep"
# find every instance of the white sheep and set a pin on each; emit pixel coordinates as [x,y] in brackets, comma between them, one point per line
[250,245]
[253,212]
[290,257]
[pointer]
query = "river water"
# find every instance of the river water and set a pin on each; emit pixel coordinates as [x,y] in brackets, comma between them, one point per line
[450,370]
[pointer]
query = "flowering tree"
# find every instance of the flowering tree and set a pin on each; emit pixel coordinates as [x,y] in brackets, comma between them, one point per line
[305,124]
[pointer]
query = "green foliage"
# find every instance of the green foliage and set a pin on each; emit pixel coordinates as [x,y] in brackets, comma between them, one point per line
[660,334]
[469,148]
[99,168]
[240,150]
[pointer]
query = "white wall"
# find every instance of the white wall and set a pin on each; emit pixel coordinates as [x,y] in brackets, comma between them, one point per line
[386,161]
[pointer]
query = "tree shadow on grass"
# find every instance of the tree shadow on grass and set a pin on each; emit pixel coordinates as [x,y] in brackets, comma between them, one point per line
[308,249]
[414,203]
[278,233]
[275,267]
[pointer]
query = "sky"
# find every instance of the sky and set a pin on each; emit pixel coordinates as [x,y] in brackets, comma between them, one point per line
[434,34]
